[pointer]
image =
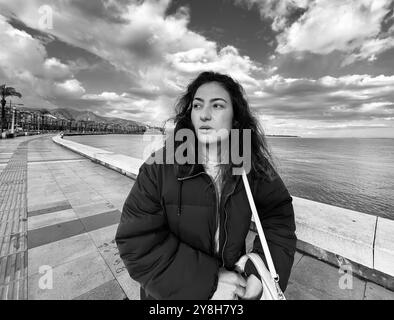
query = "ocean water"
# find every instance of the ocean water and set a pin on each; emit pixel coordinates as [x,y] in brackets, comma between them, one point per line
[356,174]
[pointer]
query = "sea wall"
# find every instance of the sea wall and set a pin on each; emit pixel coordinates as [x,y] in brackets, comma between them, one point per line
[349,239]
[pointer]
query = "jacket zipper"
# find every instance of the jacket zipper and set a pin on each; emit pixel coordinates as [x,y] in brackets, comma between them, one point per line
[225,223]
[216,216]
[225,234]
[217,209]
[217,205]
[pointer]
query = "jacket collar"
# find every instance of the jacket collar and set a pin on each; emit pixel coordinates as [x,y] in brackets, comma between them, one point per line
[189,171]
[186,171]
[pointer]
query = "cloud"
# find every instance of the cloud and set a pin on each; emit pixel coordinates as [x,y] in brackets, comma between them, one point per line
[158,52]
[69,89]
[25,65]
[281,12]
[157,55]
[106,96]
[111,11]
[129,106]
[324,26]
[227,60]
[329,99]
[334,25]
[370,49]
[375,106]
[148,42]
[56,70]
[20,51]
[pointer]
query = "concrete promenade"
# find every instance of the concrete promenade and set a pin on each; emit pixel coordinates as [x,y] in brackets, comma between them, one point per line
[59,212]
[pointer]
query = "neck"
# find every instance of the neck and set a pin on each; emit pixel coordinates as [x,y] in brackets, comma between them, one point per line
[213,152]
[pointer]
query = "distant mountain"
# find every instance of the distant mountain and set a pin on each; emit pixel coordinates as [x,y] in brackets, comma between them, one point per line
[281,136]
[76,115]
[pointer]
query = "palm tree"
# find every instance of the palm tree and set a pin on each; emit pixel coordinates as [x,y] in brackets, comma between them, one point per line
[6,92]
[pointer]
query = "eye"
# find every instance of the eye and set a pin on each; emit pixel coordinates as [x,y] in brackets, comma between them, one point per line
[218,106]
[195,106]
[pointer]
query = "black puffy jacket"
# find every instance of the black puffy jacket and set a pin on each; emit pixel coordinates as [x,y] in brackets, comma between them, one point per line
[167,229]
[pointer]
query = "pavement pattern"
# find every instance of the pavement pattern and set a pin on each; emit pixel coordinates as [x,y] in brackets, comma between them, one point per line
[59,214]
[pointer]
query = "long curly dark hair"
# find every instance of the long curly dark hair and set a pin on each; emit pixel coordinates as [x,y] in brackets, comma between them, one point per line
[261,157]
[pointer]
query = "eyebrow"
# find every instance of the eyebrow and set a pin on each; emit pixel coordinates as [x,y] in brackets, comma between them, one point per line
[212,100]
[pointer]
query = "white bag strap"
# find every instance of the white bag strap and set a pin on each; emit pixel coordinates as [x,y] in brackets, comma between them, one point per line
[264,244]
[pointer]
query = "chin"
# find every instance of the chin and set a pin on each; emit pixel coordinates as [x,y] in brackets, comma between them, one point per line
[211,139]
[206,139]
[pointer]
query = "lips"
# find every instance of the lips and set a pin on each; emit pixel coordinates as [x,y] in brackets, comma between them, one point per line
[205,128]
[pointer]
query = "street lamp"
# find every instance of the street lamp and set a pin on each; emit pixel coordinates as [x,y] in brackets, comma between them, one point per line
[13,110]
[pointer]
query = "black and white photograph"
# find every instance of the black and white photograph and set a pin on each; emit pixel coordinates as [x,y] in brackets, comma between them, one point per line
[197,150]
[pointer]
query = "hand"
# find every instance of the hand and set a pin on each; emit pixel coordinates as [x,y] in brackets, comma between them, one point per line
[254,288]
[230,286]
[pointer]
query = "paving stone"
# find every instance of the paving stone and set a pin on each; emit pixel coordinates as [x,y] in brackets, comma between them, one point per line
[110,254]
[375,292]
[108,291]
[102,220]
[47,207]
[53,233]
[48,219]
[60,252]
[88,266]
[16,290]
[72,279]
[13,267]
[13,224]
[84,198]
[18,213]
[93,208]
[13,243]
[129,286]
[104,235]
[323,281]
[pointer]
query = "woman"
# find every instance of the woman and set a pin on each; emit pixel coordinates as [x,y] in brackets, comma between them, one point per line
[184,225]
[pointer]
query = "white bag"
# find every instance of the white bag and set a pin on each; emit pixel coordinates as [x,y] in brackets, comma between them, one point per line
[269,278]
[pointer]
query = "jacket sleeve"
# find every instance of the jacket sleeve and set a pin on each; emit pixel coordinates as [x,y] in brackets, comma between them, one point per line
[275,209]
[163,265]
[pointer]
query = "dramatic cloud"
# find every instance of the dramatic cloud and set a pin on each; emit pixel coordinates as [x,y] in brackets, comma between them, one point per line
[356,97]
[227,60]
[157,51]
[324,26]
[70,89]
[25,65]
[106,96]
[281,12]
[132,59]
[55,70]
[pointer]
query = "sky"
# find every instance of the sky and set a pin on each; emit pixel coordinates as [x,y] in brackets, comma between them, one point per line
[312,68]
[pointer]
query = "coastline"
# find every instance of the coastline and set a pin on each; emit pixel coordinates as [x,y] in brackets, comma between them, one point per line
[353,174]
[332,234]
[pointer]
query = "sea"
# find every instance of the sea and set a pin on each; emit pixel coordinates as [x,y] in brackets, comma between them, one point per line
[352,173]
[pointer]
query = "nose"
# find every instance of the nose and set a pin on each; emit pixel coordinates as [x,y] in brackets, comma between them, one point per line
[206,114]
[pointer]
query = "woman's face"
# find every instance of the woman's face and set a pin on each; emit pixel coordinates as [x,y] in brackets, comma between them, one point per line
[212,111]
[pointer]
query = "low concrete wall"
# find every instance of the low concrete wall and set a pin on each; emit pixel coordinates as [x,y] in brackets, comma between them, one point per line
[8,135]
[121,163]
[362,239]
